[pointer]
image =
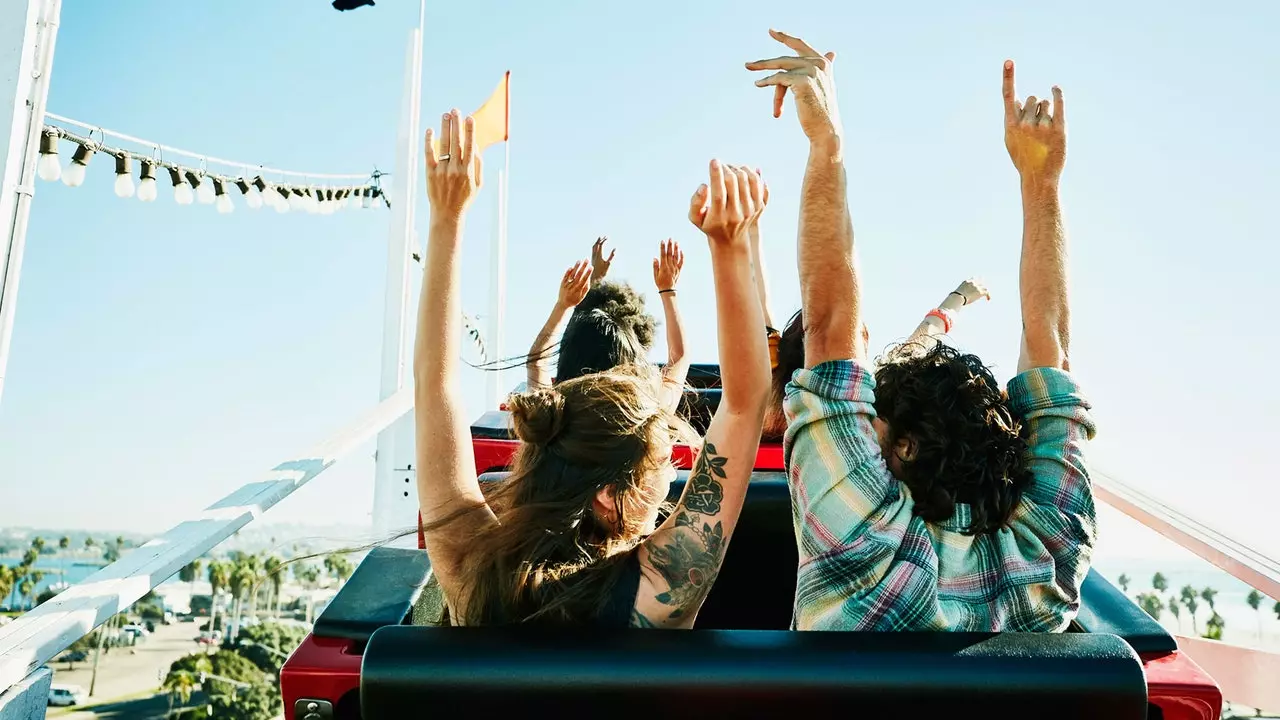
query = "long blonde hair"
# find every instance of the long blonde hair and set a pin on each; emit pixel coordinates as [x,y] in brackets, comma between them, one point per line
[551,559]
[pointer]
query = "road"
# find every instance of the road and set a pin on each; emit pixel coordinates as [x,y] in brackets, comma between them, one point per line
[126,675]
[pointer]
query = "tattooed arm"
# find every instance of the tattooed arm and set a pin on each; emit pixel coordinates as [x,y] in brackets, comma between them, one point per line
[680,561]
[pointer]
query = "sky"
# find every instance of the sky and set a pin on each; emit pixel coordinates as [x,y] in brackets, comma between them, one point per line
[165,355]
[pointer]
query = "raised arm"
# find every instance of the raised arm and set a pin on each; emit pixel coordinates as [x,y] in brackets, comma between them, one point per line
[573,287]
[939,320]
[829,289]
[1037,144]
[447,483]
[666,273]
[680,561]
[757,264]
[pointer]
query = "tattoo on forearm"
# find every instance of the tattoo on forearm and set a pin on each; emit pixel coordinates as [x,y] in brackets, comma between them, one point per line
[690,560]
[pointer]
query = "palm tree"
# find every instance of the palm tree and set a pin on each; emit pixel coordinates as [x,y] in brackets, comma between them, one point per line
[1255,601]
[219,580]
[1189,599]
[25,588]
[6,581]
[242,580]
[1276,609]
[188,575]
[1159,582]
[90,543]
[37,544]
[1208,595]
[1214,626]
[1176,610]
[1152,604]
[339,567]
[181,683]
[274,565]
[64,542]
[1123,581]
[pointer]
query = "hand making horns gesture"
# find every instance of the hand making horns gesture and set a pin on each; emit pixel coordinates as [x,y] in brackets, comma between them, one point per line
[1036,139]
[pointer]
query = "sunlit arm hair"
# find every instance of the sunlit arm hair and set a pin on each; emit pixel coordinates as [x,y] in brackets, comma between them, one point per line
[446,471]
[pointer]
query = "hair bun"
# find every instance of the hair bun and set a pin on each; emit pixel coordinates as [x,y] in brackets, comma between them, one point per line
[537,416]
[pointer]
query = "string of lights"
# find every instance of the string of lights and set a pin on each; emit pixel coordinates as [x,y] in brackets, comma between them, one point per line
[315,194]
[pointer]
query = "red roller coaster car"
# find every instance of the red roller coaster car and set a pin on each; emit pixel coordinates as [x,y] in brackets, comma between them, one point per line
[363,661]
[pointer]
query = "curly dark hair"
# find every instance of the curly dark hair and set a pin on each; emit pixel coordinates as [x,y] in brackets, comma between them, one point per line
[609,328]
[790,359]
[968,446]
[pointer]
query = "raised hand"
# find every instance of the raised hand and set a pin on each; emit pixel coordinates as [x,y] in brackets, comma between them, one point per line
[599,263]
[574,285]
[808,75]
[454,174]
[1036,139]
[971,291]
[726,207]
[667,266]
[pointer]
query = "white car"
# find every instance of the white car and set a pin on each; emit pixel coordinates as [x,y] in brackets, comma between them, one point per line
[61,695]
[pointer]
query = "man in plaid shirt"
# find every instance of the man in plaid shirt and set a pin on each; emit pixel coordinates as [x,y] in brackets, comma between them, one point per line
[923,497]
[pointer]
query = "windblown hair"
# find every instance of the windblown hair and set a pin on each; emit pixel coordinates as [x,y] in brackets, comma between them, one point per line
[969,448]
[790,359]
[550,559]
[608,329]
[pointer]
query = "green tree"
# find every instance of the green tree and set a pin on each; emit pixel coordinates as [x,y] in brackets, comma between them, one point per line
[274,568]
[1276,609]
[184,676]
[37,544]
[242,579]
[267,645]
[1214,626]
[339,566]
[1152,604]
[7,581]
[25,588]
[30,557]
[188,575]
[219,580]
[1159,582]
[260,701]
[90,543]
[1123,582]
[1175,609]
[1190,600]
[1255,601]
[1209,595]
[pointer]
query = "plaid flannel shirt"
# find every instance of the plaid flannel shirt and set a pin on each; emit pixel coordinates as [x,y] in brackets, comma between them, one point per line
[867,563]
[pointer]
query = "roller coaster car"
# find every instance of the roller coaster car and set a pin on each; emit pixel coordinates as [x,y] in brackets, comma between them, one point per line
[364,660]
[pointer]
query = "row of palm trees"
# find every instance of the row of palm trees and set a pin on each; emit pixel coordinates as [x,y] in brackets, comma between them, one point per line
[1189,597]
[19,583]
[251,579]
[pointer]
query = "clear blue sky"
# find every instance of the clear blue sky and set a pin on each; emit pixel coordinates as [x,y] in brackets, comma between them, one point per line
[164,355]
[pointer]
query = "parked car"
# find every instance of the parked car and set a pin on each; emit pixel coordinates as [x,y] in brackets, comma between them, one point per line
[63,695]
[73,656]
[210,638]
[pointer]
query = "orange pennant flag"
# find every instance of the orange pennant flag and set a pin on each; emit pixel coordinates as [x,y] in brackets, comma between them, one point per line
[493,118]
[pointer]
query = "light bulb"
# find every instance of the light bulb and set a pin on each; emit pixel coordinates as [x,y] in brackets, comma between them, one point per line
[296,199]
[223,200]
[204,189]
[49,169]
[251,196]
[283,199]
[344,196]
[181,190]
[364,199]
[73,176]
[313,204]
[124,177]
[147,186]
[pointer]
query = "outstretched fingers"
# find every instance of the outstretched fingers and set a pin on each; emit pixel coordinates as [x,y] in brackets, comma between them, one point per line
[1059,107]
[469,142]
[801,47]
[429,149]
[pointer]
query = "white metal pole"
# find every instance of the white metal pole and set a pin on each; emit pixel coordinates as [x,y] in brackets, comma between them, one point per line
[27,39]
[394,496]
[498,284]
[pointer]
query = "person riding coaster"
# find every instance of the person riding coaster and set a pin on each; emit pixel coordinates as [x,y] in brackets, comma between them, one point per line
[572,537]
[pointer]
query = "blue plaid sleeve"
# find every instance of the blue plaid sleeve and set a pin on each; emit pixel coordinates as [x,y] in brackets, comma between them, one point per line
[1059,426]
[849,512]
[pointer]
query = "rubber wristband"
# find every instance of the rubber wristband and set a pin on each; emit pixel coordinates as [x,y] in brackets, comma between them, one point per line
[668,290]
[942,315]
[961,295]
